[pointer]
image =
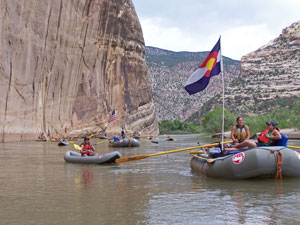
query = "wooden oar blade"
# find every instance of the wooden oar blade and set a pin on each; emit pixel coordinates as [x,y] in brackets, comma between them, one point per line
[206,159]
[131,158]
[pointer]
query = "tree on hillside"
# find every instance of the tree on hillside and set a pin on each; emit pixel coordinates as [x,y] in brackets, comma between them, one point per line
[212,121]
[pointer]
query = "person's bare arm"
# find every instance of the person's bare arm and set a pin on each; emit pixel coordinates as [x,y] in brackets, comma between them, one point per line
[247,132]
[233,129]
[275,135]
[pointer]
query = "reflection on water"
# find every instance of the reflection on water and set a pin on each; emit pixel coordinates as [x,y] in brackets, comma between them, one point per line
[38,187]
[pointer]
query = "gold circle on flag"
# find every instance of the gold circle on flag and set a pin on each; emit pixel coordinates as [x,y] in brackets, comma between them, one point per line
[210,63]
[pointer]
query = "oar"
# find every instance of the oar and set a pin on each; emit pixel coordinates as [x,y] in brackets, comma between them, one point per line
[156,142]
[138,157]
[295,147]
[101,142]
[77,147]
[206,159]
[196,152]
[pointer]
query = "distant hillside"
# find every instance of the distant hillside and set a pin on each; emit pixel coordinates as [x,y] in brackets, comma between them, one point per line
[270,78]
[168,72]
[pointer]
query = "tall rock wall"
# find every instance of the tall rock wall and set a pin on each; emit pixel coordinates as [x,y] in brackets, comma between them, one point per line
[66,64]
[270,76]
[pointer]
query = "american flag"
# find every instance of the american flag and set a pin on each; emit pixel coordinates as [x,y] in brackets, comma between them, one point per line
[113,116]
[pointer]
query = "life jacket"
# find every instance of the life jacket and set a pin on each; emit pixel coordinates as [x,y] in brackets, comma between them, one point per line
[263,139]
[240,133]
[87,147]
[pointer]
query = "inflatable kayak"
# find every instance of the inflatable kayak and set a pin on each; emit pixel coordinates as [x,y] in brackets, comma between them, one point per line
[136,137]
[169,139]
[75,157]
[104,137]
[126,142]
[63,143]
[255,162]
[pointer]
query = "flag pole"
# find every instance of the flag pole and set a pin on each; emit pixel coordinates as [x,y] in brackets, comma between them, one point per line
[223,93]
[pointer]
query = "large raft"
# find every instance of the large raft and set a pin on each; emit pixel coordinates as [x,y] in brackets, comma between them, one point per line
[126,142]
[75,157]
[255,162]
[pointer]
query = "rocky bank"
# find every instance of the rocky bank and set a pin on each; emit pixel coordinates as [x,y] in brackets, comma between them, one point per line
[65,65]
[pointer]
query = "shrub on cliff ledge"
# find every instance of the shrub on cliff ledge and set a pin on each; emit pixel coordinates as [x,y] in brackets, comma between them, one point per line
[212,121]
[177,127]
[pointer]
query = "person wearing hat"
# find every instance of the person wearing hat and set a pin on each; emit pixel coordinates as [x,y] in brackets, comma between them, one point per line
[87,148]
[266,138]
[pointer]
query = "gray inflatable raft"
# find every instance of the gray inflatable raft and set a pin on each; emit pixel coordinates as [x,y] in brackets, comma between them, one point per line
[126,142]
[75,157]
[255,162]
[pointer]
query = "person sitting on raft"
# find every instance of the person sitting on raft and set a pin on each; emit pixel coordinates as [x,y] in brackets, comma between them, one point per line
[87,148]
[42,137]
[240,132]
[116,138]
[123,133]
[266,138]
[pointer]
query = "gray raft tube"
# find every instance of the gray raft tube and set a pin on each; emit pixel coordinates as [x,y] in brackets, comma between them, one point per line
[75,157]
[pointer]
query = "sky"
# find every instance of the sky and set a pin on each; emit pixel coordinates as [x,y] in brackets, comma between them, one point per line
[196,25]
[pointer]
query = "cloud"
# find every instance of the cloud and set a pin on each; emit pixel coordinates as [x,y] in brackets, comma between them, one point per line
[196,25]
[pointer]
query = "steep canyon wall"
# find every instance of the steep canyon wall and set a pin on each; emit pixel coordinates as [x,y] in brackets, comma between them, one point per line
[66,64]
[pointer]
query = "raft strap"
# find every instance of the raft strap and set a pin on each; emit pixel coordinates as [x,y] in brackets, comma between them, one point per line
[279,161]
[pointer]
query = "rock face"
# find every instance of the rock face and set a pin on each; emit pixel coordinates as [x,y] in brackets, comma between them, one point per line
[168,72]
[270,76]
[65,65]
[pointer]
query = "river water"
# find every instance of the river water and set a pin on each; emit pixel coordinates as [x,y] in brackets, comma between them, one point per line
[38,187]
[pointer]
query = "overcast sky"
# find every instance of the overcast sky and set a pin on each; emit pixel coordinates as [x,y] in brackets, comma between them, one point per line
[195,25]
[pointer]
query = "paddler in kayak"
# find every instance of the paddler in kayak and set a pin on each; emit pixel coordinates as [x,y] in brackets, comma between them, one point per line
[169,139]
[266,138]
[87,148]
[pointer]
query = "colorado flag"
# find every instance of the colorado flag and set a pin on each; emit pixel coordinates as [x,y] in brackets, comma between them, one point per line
[211,66]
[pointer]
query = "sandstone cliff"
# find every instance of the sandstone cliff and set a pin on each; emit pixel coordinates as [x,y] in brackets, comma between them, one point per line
[168,72]
[270,76]
[65,65]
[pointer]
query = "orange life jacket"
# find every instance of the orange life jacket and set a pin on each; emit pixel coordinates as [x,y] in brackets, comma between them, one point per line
[264,139]
[87,147]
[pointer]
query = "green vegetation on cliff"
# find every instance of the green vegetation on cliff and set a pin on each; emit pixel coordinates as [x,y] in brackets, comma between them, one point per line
[286,118]
[212,121]
[177,127]
[276,106]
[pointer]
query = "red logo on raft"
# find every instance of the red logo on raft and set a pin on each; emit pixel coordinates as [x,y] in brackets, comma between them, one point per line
[238,158]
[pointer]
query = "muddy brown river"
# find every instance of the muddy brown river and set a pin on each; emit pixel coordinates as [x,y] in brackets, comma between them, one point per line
[38,187]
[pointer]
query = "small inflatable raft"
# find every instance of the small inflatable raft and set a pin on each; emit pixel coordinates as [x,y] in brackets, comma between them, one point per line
[75,157]
[255,162]
[126,142]
[63,143]
[104,137]
[136,137]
